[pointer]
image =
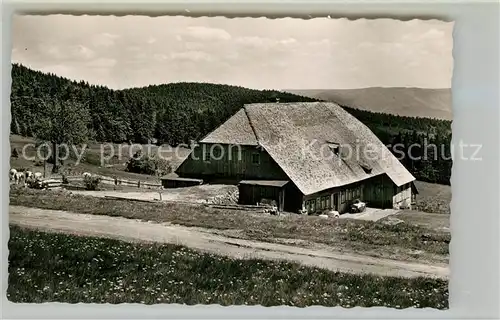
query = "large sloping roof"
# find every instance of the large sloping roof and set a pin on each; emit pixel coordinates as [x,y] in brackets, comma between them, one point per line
[236,130]
[301,138]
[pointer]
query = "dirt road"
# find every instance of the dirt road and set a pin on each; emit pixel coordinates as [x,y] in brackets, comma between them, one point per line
[205,240]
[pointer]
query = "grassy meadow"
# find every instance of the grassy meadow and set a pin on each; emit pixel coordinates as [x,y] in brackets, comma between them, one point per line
[57,267]
[402,241]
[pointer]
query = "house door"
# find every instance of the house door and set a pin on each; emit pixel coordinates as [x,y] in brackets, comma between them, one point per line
[336,201]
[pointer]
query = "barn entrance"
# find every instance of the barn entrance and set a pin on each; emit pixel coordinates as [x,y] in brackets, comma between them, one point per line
[253,191]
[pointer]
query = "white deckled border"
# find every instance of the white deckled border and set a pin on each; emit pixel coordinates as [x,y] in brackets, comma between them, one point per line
[474,284]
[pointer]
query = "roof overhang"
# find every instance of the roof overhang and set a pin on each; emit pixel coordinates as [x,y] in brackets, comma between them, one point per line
[266,183]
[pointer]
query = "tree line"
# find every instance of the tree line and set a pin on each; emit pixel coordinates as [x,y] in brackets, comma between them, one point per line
[423,145]
[55,109]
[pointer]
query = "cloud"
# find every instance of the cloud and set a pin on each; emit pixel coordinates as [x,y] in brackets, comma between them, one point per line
[191,55]
[62,52]
[104,39]
[299,53]
[52,51]
[432,34]
[322,42]
[207,33]
[264,43]
[232,55]
[160,57]
[413,64]
[59,69]
[193,45]
[102,63]
[257,42]
[366,44]
[83,52]
[289,41]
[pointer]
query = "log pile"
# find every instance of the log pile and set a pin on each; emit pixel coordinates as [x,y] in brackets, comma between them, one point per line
[228,198]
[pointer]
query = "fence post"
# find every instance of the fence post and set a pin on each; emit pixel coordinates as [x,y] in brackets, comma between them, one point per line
[139,184]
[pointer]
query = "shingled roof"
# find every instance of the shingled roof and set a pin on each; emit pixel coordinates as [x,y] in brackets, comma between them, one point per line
[236,130]
[311,142]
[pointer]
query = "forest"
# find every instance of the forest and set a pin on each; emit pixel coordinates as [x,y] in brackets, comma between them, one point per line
[56,109]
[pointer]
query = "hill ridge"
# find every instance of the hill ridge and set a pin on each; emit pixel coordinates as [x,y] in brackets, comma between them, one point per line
[403,101]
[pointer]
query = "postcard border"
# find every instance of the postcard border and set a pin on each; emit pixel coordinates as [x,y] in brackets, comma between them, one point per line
[474,281]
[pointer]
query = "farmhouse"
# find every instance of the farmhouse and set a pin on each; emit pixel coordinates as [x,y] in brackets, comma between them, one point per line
[313,156]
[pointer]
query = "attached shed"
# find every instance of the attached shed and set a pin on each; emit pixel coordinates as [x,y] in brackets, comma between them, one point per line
[174,181]
[253,191]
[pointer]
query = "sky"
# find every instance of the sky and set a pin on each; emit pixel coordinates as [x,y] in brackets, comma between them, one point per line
[260,53]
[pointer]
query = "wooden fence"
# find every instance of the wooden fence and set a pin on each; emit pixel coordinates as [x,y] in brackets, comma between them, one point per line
[106,180]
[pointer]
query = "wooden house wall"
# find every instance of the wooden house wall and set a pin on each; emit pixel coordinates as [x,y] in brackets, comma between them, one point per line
[288,198]
[293,198]
[378,192]
[337,199]
[402,196]
[230,166]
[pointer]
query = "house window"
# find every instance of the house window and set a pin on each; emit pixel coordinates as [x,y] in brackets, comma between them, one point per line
[206,154]
[323,203]
[342,196]
[327,202]
[334,147]
[217,153]
[313,205]
[255,158]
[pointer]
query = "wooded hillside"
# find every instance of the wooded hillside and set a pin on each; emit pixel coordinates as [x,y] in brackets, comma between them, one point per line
[179,112]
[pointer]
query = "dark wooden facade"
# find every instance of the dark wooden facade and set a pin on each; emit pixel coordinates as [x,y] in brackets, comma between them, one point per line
[180,182]
[285,193]
[230,164]
[233,163]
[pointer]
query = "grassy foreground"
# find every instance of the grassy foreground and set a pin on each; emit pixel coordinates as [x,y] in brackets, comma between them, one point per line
[56,267]
[376,239]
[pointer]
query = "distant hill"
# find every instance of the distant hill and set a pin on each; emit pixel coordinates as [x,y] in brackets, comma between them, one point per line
[171,113]
[410,102]
[178,112]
